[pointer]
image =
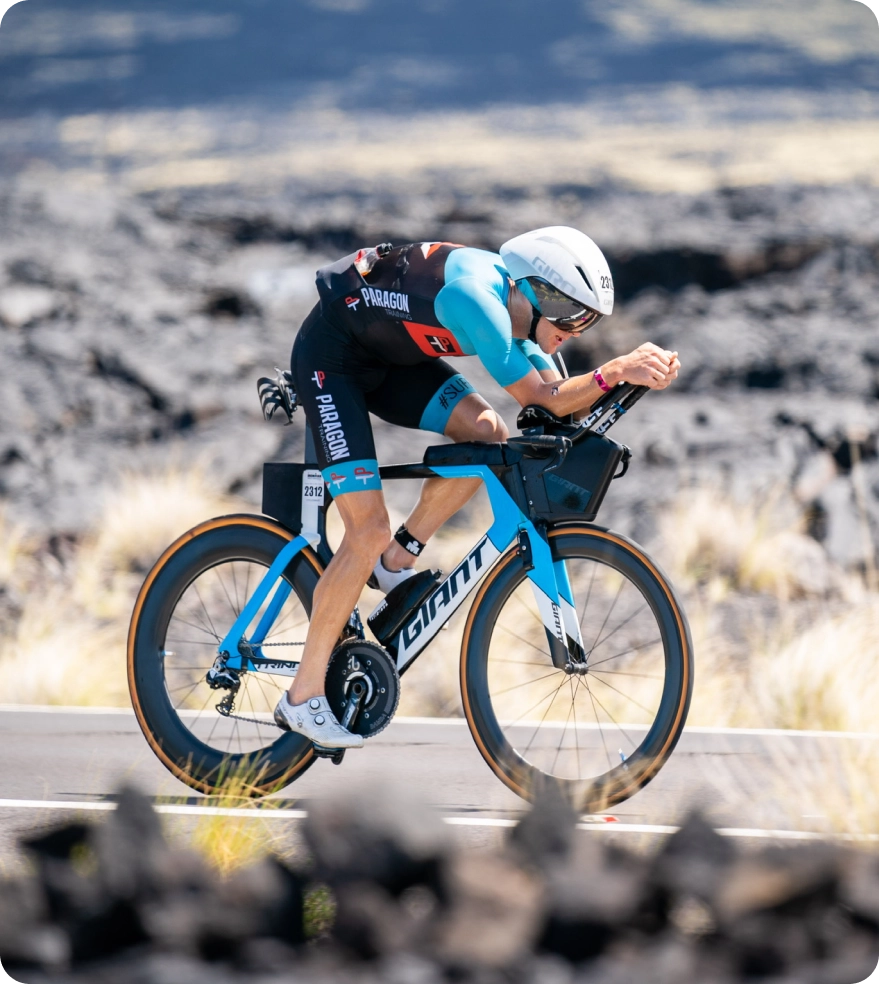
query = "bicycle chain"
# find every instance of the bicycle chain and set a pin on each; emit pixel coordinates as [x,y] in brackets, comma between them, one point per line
[225,710]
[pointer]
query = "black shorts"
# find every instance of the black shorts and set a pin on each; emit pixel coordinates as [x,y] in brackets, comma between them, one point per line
[339,384]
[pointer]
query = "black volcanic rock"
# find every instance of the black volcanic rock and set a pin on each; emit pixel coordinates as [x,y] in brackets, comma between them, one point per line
[99,910]
[134,325]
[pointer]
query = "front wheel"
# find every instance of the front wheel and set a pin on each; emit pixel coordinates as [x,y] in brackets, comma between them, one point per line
[187,604]
[603,733]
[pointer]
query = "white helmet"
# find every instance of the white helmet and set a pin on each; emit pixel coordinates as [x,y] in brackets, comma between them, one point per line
[566,271]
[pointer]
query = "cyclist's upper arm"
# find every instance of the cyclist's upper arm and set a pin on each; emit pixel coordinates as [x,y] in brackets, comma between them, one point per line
[474,312]
[529,389]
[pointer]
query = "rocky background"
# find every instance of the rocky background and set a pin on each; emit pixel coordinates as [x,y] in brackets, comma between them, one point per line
[133,328]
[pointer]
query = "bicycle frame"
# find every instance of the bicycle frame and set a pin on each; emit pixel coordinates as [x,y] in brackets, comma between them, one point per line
[549,583]
[549,579]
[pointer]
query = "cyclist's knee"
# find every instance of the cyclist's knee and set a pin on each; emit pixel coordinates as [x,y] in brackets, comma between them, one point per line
[490,427]
[475,420]
[371,532]
[367,525]
[374,535]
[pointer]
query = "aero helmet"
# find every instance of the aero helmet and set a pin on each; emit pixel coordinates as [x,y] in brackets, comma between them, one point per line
[567,274]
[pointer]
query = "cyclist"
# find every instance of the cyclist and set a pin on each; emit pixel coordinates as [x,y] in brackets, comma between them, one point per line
[376,343]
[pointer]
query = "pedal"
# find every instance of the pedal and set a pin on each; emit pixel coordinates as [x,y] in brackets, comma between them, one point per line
[389,615]
[335,755]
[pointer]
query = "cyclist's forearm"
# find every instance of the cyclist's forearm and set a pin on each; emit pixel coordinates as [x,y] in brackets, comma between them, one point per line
[562,396]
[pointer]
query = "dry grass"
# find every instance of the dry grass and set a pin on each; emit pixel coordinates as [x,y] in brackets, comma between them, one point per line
[824,678]
[66,620]
[837,792]
[12,548]
[712,539]
[231,842]
[808,661]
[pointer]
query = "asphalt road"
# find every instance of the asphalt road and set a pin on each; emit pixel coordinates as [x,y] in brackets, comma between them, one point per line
[751,783]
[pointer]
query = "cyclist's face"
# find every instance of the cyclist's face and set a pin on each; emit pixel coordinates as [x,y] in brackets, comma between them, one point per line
[550,338]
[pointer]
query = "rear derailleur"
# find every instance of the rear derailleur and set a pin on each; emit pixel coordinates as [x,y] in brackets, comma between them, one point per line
[222,677]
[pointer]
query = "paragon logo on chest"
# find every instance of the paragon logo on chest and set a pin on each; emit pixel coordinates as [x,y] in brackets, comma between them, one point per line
[390,300]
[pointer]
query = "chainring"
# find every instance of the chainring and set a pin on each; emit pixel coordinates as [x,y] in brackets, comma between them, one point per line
[366,662]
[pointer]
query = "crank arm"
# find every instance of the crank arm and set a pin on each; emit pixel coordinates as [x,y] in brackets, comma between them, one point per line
[358,691]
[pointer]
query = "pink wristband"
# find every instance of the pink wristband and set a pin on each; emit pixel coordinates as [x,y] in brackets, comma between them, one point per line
[596,375]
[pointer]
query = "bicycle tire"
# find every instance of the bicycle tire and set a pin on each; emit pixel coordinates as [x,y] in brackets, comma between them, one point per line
[166,724]
[612,557]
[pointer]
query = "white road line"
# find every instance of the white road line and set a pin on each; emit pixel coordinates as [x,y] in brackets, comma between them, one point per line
[267,813]
[690,729]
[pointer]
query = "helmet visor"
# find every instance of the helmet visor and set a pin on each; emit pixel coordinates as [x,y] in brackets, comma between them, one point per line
[568,313]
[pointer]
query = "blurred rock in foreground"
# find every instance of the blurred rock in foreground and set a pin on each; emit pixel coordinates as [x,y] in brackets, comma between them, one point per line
[114,901]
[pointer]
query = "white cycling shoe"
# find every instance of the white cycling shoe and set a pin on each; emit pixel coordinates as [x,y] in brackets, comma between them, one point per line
[314,719]
[386,580]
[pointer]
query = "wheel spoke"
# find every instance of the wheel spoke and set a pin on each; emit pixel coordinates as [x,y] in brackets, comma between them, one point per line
[625,652]
[198,628]
[540,722]
[542,652]
[209,606]
[588,596]
[574,691]
[236,611]
[214,632]
[609,613]
[512,724]
[607,712]
[646,710]
[640,676]
[600,729]
[516,686]
[528,608]
[622,624]
[519,662]
[558,750]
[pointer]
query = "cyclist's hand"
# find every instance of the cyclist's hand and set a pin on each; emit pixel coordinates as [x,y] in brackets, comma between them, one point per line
[649,365]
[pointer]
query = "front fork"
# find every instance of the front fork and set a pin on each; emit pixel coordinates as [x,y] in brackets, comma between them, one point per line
[555,600]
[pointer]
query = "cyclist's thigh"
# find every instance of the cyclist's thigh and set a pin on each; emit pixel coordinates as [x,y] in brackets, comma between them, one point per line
[474,419]
[330,379]
[422,396]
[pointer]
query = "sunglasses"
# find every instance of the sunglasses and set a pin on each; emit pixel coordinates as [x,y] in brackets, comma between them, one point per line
[564,312]
[576,326]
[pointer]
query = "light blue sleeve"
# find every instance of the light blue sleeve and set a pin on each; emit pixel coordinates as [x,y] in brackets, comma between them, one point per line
[535,354]
[475,313]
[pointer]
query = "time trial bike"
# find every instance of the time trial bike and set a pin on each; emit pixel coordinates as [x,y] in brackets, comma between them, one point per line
[576,660]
